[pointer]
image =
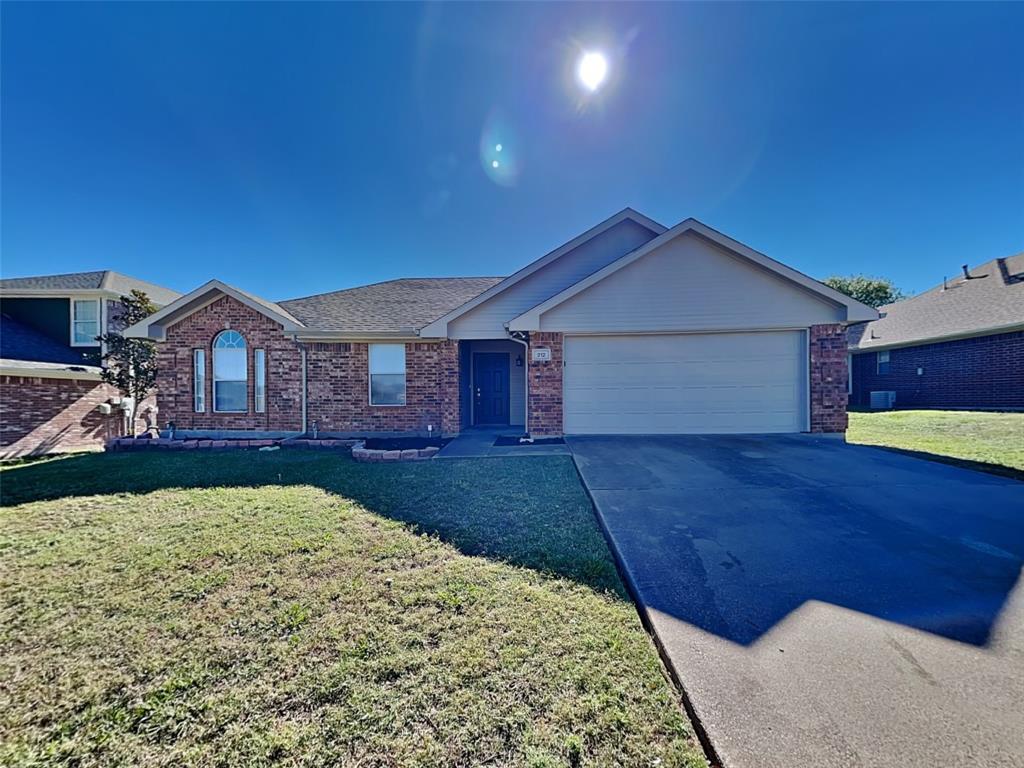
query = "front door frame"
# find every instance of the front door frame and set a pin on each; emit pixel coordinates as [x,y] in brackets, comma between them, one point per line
[474,421]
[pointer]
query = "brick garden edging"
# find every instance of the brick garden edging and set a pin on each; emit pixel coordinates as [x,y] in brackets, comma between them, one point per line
[164,443]
[359,451]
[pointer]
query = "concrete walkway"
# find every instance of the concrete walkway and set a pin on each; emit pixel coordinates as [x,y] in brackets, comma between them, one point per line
[824,604]
[478,442]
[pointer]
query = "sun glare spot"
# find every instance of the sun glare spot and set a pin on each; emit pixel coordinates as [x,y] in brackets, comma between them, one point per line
[494,163]
[497,147]
[592,70]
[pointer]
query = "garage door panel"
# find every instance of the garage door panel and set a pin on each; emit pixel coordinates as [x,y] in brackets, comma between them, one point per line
[684,383]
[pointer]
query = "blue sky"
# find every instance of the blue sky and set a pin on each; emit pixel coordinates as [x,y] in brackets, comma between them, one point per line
[294,149]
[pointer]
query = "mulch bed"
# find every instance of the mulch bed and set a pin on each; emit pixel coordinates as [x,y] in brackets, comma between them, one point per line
[405,443]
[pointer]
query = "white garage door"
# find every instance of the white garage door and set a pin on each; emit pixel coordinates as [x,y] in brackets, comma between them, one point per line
[685,383]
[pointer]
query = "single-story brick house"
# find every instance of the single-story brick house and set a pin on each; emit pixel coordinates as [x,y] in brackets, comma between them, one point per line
[628,328]
[52,399]
[959,345]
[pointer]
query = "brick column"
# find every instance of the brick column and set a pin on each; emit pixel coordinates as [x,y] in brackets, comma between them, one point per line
[449,395]
[828,378]
[545,383]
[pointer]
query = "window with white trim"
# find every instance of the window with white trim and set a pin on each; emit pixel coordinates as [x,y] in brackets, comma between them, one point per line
[199,380]
[259,364]
[883,361]
[387,374]
[85,322]
[230,373]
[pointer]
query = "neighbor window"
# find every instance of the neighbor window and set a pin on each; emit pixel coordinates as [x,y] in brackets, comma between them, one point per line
[230,374]
[259,364]
[883,362]
[199,380]
[85,322]
[387,374]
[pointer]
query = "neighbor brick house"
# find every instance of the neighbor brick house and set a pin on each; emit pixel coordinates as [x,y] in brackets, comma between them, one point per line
[628,328]
[52,399]
[959,345]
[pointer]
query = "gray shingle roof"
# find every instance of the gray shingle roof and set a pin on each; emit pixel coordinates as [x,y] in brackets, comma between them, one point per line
[395,305]
[993,298]
[89,281]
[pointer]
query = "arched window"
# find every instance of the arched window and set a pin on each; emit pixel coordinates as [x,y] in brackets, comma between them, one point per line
[230,373]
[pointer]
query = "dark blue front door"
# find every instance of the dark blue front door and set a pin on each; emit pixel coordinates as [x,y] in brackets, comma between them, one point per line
[490,388]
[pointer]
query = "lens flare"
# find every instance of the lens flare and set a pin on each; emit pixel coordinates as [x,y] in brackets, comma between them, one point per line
[592,70]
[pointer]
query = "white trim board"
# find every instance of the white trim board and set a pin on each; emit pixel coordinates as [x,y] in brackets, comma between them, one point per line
[855,311]
[151,327]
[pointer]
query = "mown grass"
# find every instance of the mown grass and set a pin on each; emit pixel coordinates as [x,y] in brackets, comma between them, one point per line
[295,608]
[994,439]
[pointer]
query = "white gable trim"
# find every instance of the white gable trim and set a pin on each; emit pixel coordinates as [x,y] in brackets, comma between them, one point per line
[439,328]
[855,311]
[153,328]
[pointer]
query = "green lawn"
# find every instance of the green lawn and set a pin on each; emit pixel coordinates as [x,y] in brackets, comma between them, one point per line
[296,608]
[995,439]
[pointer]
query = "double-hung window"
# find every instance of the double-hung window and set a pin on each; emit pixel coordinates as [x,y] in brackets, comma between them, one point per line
[259,364]
[883,361]
[85,322]
[230,373]
[199,380]
[387,374]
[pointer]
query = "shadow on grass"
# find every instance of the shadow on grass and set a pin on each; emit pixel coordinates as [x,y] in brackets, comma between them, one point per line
[978,466]
[527,511]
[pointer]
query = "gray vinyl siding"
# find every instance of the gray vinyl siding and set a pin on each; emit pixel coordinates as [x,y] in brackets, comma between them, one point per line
[517,376]
[689,284]
[488,320]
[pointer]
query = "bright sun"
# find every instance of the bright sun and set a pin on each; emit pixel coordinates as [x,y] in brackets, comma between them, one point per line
[593,69]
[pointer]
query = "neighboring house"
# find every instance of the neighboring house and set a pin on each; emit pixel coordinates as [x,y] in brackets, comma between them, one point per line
[52,399]
[958,345]
[628,328]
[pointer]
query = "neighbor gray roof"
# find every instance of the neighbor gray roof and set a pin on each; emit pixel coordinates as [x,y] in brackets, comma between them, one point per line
[395,305]
[993,298]
[105,280]
[19,341]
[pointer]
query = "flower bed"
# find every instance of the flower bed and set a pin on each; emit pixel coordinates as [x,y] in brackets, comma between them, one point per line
[167,444]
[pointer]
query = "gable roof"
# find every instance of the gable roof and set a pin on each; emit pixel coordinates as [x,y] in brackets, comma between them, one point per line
[391,306]
[101,281]
[439,327]
[394,307]
[991,301]
[856,311]
[19,341]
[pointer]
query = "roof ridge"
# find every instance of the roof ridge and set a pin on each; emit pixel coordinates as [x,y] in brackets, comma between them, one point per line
[392,280]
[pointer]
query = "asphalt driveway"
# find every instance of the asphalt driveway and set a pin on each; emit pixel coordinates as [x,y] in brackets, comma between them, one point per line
[824,604]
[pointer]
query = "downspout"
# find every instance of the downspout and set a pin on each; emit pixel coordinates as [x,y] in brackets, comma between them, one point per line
[516,336]
[302,349]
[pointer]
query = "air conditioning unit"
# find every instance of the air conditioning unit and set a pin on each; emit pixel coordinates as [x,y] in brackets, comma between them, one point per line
[883,401]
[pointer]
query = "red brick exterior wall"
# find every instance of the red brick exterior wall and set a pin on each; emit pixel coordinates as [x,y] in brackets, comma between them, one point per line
[337,380]
[339,385]
[545,385]
[982,372]
[198,331]
[828,378]
[40,416]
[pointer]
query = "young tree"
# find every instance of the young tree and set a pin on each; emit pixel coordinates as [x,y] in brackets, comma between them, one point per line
[873,291]
[130,363]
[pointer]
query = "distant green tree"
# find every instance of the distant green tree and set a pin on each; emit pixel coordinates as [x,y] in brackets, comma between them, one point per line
[873,291]
[131,363]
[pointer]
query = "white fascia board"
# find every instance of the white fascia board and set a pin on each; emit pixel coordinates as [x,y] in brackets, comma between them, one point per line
[855,311]
[37,370]
[152,328]
[439,328]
